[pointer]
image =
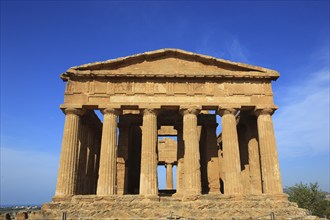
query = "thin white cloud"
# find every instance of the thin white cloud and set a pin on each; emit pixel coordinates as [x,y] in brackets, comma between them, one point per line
[302,121]
[237,52]
[222,44]
[208,46]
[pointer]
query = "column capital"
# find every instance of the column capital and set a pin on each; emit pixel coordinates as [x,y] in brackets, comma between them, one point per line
[224,111]
[73,111]
[149,111]
[169,163]
[265,111]
[111,111]
[190,110]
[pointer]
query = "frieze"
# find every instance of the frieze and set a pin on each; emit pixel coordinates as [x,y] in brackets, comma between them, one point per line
[168,88]
[69,88]
[174,100]
[91,87]
[110,88]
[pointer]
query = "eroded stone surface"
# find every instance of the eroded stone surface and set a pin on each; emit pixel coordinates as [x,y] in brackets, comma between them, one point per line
[196,207]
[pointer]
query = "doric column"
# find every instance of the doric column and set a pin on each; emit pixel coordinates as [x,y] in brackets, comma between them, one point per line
[230,151]
[82,157]
[169,176]
[270,170]
[180,158]
[90,163]
[148,176]
[221,166]
[212,160]
[68,170]
[192,172]
[107,172]
[254,162]
[122,167]
[96,159]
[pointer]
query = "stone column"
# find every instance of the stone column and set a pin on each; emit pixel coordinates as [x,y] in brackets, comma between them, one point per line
[221,167]
[230,151]
[122,167]
[96,160]
[212,156]
[192,172]
[270,170]
[254,162]
[106,184]
[180,155]
[82,157]
[148,176]
[90,163]
[169,176]
[68,170]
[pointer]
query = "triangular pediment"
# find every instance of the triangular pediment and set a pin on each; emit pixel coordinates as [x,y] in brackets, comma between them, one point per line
[170,63]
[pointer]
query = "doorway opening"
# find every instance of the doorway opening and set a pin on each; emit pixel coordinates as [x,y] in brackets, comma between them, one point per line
[167,161]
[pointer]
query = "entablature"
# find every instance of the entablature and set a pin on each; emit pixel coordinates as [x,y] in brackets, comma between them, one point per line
[170,87]
[168,77]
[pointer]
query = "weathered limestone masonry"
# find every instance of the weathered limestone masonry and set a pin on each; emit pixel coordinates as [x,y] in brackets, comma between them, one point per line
[109,169]
[148,176]
[106,184]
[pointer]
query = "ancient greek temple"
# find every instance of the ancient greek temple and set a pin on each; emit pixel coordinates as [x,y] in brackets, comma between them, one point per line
[168,93]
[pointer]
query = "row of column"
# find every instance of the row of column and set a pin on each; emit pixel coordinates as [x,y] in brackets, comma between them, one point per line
[79,162]
[190,182]
[230,163]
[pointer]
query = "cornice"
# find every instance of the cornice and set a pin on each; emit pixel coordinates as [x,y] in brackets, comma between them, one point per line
[90,75]
[110,68]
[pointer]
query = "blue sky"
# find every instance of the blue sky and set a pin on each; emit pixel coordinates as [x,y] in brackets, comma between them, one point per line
[41,39]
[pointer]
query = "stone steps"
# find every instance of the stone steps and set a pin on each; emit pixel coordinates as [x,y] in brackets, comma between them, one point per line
[201,207]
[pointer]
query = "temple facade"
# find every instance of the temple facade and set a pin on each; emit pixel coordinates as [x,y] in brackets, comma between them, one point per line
[207,121]
[176,93]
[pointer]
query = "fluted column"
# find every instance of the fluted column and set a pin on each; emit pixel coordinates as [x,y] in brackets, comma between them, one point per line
[107,172]
[192,172]
[90,163]
[212,156]
[68,170]
[96,152]
[148,176]
[230,151]
[122,167]
[180,158]
[270,170]
[169,176]
[254,162]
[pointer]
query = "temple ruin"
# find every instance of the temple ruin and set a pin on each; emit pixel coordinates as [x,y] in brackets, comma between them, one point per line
[111,166]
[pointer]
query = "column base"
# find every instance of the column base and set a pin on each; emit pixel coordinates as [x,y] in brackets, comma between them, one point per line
[192,192]
[62,198]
